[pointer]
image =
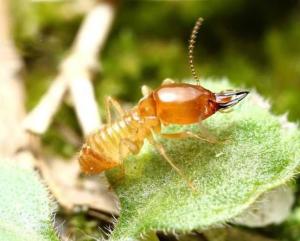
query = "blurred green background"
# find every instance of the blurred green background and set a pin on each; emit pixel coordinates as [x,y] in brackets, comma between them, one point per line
[254,43]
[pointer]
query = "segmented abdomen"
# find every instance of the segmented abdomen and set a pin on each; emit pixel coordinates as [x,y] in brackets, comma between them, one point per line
[107,147]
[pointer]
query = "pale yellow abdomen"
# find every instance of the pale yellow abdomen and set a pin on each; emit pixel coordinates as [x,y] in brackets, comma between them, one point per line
[108,147]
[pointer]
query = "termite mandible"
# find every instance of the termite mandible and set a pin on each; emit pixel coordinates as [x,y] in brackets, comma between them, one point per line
[171,103]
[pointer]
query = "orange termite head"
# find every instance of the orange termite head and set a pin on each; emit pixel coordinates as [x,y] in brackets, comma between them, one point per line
[175,103]
[181,103]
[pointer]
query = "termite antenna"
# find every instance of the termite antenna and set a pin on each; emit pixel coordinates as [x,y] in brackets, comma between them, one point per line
[192,46]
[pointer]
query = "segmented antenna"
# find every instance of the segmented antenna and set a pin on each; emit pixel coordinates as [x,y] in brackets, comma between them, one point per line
[192,46]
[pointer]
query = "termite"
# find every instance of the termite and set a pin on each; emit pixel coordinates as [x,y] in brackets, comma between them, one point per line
[171,103]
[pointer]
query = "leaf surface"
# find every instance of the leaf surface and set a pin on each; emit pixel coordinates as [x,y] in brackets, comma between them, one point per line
[25,209]
[257,152]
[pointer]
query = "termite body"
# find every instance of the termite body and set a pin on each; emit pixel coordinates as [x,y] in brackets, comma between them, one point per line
[171,103]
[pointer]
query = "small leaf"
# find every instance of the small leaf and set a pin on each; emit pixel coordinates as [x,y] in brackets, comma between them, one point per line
[290,229]
[25,209]
[270,208]
[257,154]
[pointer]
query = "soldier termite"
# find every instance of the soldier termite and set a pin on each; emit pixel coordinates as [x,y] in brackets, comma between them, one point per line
[171,103]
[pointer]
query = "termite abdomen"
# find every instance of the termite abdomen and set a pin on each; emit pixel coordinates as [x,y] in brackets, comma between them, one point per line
[109,146]
[93,161]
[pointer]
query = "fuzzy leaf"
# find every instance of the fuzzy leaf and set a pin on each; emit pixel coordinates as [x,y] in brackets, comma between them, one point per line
[259,154]
[25,209]
[270,208]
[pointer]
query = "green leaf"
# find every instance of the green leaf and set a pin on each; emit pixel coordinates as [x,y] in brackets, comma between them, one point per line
[270,208]
[25,209]
[260,152]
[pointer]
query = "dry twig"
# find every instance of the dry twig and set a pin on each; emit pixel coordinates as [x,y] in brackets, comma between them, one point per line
[90,192]
[11,88]
[75,75]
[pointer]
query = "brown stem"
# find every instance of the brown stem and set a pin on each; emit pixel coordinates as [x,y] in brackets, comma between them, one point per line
[75,73]
[11,89]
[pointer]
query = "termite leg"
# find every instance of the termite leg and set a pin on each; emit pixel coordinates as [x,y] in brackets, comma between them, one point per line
[203,131]
[110,102]
[188,134]
[146,90]
[125,143]
[162,151]
[167,81]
